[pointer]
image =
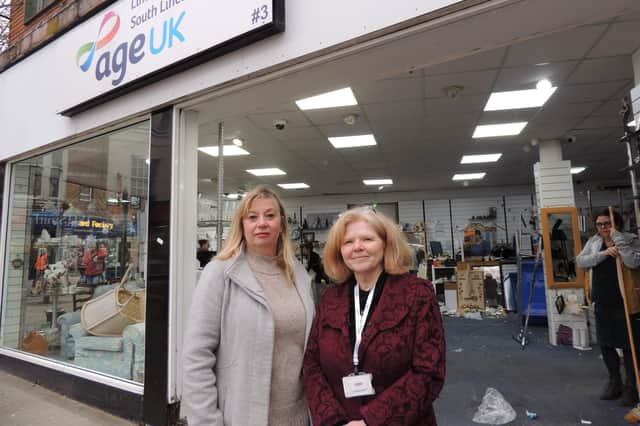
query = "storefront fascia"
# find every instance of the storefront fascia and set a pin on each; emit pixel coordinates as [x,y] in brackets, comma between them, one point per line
[172,149]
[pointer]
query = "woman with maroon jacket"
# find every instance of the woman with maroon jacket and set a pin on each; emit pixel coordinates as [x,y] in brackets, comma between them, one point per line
[376,353]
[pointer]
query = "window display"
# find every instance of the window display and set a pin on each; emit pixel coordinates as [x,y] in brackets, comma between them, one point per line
[77,237]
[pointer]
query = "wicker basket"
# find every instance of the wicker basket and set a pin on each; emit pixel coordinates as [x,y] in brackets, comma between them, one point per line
[110,313]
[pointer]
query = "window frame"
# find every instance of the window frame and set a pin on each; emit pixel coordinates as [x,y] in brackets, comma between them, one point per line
[46,367]
[29,17]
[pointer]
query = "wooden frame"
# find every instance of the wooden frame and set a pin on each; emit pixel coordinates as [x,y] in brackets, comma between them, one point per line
[560,248]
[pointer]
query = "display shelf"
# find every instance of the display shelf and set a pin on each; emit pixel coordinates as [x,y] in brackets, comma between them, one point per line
[436,272]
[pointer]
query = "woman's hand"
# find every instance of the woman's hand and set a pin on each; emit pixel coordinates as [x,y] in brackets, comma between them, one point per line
[612,251]
[356,423]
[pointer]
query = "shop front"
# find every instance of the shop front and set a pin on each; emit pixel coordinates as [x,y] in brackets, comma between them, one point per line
[109,192]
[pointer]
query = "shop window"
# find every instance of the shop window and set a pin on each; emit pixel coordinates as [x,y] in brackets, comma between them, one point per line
[75,239]
[85,193]
[139,177]
[34,7]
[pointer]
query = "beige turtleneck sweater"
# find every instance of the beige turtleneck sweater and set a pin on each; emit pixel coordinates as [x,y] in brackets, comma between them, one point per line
[287,403]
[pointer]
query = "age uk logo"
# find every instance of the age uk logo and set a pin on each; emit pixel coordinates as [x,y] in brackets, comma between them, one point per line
[114,63]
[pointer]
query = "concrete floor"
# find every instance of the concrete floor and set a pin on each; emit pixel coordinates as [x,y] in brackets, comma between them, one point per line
[560,384]
[25,404]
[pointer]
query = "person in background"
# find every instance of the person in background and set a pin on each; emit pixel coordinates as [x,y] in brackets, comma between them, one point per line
[203,254]
[314,263]
[376,353]
[249,320]
[94,260]
[490,290]
[599,257]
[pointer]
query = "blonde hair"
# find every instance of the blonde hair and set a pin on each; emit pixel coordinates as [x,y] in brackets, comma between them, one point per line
[236,239]
[397,254]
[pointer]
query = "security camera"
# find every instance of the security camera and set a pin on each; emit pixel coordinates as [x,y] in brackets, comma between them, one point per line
[453,91]
[572,139]
[280,124]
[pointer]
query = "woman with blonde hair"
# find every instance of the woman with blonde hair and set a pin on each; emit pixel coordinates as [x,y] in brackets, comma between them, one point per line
[376,353]
[248,325]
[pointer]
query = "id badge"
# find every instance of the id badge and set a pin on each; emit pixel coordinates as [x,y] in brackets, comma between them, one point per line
[358,385]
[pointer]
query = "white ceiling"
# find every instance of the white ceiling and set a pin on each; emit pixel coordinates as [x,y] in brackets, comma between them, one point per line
[421,133]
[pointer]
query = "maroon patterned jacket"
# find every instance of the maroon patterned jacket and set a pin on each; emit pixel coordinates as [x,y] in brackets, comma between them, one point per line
[402,346]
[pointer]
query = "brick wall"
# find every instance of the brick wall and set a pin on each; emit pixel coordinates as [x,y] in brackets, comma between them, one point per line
[59,17]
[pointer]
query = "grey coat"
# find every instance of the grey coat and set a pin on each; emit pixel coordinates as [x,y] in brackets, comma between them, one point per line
[228,345]
[628,246]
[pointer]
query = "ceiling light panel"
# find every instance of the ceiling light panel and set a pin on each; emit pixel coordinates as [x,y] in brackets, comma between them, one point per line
[293,185]
[378,182]
[267,172]
[518,99]
[227,150]
[352,141]
[337,98]
[468,176]
[495,130]
[482,158]
[576,170]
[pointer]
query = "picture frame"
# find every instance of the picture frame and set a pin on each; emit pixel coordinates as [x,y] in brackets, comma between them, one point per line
[561,245]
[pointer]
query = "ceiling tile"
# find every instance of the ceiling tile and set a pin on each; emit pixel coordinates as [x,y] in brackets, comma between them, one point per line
[554,110]
[389,90]
[296,133]
[473,83]
[587,92]
[341,129]
[602,69]
[476,62]
[562,46]
[446,121]
[620,39]
[462,104]
[610,108]
[601,122]
[526,77]
[396,114]
[507,116]
[265,120]
[332,115]
[315,146]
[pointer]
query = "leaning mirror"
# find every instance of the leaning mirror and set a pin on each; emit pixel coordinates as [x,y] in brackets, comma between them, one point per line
[561,244]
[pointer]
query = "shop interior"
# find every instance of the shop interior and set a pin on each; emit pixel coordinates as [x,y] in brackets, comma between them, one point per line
[442,147]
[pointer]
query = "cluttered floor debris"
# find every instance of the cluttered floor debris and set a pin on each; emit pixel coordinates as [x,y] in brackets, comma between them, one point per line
[559,384]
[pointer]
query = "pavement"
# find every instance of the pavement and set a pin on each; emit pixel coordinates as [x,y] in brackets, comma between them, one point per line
[560,384]
[26,404]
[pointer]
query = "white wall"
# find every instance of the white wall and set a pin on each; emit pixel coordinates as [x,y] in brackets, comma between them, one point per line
[438,222]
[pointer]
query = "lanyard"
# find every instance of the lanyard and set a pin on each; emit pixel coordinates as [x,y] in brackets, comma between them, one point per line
[361,320]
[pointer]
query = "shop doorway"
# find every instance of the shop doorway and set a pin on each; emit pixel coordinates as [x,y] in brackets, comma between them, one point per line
[411,128]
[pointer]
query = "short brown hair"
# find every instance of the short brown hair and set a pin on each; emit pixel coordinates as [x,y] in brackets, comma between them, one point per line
[397,254]
[617,217]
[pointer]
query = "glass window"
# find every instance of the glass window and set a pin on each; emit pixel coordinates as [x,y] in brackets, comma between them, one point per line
[33,7]
[75,279]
